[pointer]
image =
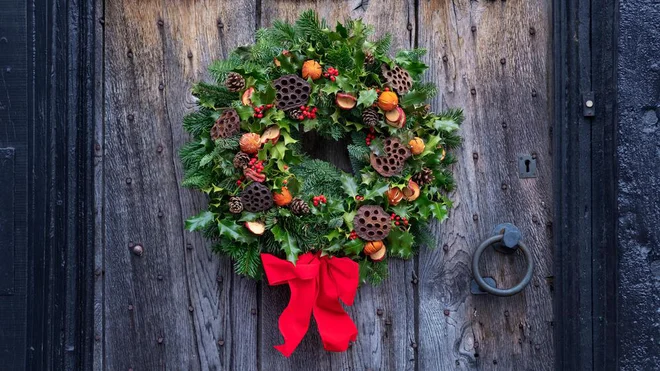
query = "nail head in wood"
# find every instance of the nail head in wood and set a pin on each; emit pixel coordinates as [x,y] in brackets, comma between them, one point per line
[473,91]
[504,124]
[446,312]
[190,55]
[444,58]
[160,23]
[379,312]
[129,180]
[161,86]
[532,31]
[253,311]
[475,156]
[534,94]
[160,340]
[503,61]
[138,250]
[160,277]
[130,307]
[221,342]
[504,186]
[475,217]
[473,28]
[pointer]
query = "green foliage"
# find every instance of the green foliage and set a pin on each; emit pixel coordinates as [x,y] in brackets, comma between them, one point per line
[280,50]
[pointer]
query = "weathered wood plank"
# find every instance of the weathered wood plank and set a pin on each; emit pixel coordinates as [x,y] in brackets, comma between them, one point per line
[177,305]
[384,341]
[491,58]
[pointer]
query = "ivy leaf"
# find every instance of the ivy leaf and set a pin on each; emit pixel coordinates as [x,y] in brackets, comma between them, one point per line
[353,247]
[414,97]
[367,97]
[349,184]
[200,221]
[377,191]
[289,243]
[445,125]
[400,243]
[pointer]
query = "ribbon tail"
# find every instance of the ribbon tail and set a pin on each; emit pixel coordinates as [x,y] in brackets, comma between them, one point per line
[335,326]
[294,320]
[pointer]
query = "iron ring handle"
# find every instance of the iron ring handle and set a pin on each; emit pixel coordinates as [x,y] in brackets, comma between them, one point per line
[493,290]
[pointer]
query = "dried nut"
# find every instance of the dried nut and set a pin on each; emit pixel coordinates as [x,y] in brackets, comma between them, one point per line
[283,198]
[412,191]
[272,134]
[388,101]
[372,247]
[256,227]
[416,145]
[311,68]
[394,196]
[250,143]
[246,99]
[345,101]
[378,255]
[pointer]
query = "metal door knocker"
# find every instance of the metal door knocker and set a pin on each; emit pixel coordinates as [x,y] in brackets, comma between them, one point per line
[506,239]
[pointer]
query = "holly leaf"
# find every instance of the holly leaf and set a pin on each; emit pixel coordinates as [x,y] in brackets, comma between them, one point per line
[445,125]
[330,88]
[402,210]
[244,112]
[288,242]
[400,243]
[414,97]
[367,97]
[350,185]
[378,190]
[348,219]
[228,228]
[287,138]
[345,84]
[200,221]
[353,247]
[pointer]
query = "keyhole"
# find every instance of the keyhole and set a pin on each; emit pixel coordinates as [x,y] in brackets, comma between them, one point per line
[527,162]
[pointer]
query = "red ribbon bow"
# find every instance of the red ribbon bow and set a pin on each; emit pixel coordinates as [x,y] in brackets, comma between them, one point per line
[317,283]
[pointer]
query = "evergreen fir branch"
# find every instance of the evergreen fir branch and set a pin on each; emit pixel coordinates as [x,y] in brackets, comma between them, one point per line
[373,272]
[212,96]
[427,88]
[319,177]
[220,68]
[199,122]
[248,261]
[382,46]
[423,234]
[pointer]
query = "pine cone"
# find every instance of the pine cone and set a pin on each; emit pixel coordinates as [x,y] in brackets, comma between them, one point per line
[370,116]
[235,205]
[299,207]
[241,160]
[234,82]
[424,177]
[369,59]
[294,113]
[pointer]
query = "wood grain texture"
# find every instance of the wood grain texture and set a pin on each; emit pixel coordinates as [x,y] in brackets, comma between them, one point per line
[492,59]
[385,341]
[177,306]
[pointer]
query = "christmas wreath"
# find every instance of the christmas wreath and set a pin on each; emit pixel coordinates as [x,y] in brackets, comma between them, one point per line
[273,208]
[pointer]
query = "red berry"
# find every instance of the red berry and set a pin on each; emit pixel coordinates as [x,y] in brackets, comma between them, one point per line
[238,182]
[398,217]
[301,117]
[397,223]
[332,78]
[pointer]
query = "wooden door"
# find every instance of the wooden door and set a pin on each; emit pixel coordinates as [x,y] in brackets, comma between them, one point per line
[166,302]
